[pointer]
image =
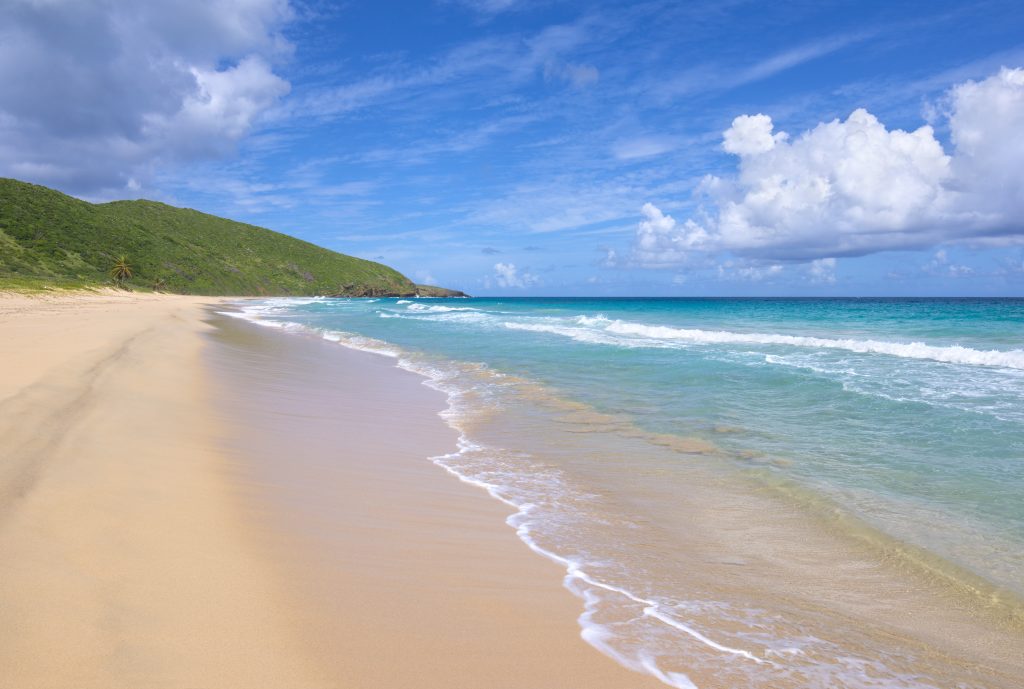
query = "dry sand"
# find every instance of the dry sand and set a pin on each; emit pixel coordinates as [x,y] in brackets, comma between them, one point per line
[123,558]
[248,510]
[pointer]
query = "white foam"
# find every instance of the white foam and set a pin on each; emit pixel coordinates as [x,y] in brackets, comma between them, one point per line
[954,354]
[253,318]
[447,315]
[579,334]
[592,320]
[591,631]
[597,329]
[437,308]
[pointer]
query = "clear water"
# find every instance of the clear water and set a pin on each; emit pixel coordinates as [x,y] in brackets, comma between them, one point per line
[904,415]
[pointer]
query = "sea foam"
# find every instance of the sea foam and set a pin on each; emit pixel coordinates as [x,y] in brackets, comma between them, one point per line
[597,329]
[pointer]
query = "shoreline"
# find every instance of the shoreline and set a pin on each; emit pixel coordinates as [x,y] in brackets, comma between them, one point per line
[414,573]
[189,499]
[856,594]
[147,540]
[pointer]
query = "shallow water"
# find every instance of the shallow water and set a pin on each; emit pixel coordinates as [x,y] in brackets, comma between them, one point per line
[744,492]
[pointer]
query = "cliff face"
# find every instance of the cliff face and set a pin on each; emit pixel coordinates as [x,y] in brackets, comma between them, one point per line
[368,291]
[431,291]
[49,237]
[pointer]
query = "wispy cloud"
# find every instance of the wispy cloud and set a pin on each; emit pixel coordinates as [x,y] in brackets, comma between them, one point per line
[788,59]
[420,151]
[643,147]
[716,77]
[490,65]
[489,7]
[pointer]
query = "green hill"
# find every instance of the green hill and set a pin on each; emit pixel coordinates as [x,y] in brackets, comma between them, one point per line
[47,237]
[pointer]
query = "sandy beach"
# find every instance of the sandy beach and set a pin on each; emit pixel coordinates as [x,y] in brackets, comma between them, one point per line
[193,505]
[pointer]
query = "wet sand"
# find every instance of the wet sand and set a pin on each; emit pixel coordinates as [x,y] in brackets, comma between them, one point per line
[408,576]
[190,506]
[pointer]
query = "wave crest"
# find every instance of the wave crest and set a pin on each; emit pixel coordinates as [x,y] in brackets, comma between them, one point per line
[601,330]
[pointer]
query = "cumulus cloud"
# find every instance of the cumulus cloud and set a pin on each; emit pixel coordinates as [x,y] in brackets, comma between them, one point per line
[941,265]
[986,120]
[823,270]
[739,270]
[507,275]
[660,240]
[750,135]
[854,187]
[97,94]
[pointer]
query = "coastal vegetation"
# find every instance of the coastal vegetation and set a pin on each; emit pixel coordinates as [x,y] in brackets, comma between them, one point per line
[50,239]
[121,271]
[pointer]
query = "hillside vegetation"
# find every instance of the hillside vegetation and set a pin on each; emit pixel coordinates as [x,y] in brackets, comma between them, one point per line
[47,237]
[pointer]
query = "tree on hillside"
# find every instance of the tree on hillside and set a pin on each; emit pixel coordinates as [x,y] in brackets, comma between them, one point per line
[121,270]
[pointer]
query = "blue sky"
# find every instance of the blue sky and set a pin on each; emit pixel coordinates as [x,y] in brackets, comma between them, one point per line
[531,147]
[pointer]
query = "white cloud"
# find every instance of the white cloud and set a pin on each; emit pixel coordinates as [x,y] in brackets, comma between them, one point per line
[564,202]
[220,110]
[489,7]
[486,69]
[853,187]
[507,275]
[660,240]
[941,265]
[739,270]
[823,270]
[793,57]
[986,123]
[643,147]
[750,135]
[710,77]
[577,75]
[97,94]
[845,187]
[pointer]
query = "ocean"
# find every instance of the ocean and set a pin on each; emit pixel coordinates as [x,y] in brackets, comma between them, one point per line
[751,492]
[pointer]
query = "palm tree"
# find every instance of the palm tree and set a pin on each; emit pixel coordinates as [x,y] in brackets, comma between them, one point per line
[121,270]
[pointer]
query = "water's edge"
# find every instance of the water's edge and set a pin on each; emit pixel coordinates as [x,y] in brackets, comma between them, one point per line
[595,590]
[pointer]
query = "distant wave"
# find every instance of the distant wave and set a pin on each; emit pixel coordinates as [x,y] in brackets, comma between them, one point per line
[436,308]
[601,330]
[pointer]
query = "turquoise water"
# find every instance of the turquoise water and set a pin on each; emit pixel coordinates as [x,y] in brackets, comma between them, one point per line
[905,414]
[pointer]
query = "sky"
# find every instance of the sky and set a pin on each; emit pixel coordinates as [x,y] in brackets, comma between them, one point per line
[541,147]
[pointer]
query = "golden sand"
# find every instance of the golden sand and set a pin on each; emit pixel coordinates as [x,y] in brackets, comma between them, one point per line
[409,577]
[160,527]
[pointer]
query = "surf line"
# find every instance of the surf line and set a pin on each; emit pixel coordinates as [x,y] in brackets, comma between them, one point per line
[518,520]
[573,571]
